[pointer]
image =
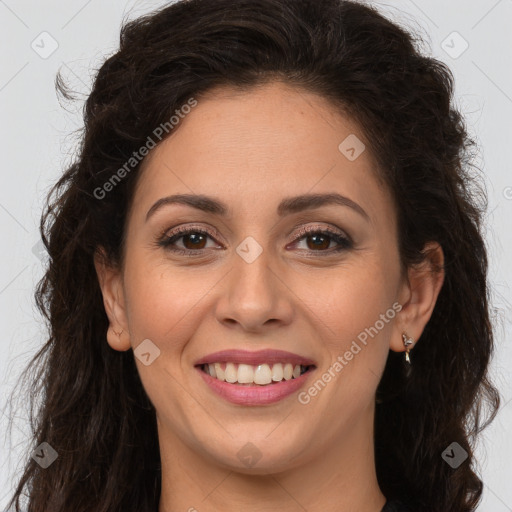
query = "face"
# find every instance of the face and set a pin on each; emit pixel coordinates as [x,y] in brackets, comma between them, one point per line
[253,268]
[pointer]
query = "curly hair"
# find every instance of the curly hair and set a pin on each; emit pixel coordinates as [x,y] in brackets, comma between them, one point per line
[87,400]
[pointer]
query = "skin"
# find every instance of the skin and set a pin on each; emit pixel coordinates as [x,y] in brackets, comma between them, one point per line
[250,150]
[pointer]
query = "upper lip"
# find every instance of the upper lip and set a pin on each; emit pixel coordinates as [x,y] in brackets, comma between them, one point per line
[255,357]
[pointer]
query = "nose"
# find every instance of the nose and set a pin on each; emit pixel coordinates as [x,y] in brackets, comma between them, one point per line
[254,296]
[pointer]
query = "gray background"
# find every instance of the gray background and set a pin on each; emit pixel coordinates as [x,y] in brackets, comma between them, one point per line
[37,144]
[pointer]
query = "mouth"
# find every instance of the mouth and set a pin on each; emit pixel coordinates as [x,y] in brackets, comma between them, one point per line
[254,378]
[250,375]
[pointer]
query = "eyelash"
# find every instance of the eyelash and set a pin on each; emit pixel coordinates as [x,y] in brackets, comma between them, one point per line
[166,241]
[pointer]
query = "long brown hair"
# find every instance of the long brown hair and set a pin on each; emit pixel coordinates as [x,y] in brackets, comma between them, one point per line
[87,400]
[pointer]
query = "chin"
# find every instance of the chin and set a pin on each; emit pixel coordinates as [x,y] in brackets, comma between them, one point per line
[261,457]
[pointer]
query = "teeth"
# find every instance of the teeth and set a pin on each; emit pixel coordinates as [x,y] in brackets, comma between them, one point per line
[262,374]
[277,372]
[230,373]
[219,372]
[245,374]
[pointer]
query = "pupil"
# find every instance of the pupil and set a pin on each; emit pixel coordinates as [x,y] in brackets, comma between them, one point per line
[322,240]
[196,239]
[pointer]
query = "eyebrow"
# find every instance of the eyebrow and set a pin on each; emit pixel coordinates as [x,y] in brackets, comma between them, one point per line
[286,207]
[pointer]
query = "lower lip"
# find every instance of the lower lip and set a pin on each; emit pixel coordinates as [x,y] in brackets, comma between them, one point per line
[255,395]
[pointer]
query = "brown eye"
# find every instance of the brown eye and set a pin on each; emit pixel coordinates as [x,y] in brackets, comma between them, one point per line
[320,241]
[193,240]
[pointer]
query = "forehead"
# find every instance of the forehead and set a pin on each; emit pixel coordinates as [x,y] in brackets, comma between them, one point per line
[256,147]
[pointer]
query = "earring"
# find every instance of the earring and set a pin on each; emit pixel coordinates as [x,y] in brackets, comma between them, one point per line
[408,341]
[118,333]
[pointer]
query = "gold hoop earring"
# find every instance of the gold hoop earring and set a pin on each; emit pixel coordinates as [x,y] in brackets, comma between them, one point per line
[408,342]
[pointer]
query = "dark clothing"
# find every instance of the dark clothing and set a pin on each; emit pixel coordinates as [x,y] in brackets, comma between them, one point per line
[394,506]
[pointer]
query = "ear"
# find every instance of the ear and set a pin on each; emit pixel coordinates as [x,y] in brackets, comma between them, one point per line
[111,284]
[418,296]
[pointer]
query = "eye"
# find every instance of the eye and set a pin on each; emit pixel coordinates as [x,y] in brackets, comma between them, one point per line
[317,240]
[194,240]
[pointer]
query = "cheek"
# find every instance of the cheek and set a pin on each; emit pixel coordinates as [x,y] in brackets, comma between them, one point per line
[162,305]
[347,315]
[355,314]
[353,298]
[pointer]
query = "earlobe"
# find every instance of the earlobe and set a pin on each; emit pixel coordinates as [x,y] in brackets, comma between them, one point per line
[420,292]
[118,340]
[110,281]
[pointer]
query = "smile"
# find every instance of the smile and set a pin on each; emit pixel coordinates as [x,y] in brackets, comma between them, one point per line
[262,374]
[253,378]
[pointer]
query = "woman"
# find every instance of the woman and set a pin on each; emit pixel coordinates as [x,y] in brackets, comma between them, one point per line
[273,209]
